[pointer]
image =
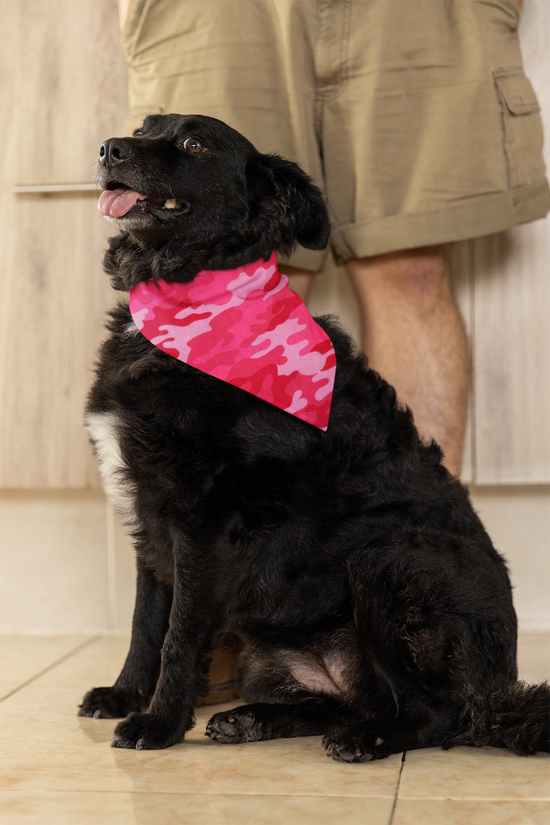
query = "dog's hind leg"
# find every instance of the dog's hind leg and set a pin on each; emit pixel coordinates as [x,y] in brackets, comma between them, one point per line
[433,615]
[311,716]
[136,683]
[366,741]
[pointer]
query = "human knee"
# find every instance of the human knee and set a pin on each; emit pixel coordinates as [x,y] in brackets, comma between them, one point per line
[419,278]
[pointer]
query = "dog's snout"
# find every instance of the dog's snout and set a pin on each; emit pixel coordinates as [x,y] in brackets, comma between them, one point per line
[113,151]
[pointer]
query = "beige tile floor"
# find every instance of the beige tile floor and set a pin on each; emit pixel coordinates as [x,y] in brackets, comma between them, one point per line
[58,768]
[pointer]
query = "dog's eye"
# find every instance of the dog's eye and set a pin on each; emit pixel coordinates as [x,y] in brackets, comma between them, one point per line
[194,145]
[137,133]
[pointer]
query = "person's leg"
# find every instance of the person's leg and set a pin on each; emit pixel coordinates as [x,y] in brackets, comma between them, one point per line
[299,280]
[414,337]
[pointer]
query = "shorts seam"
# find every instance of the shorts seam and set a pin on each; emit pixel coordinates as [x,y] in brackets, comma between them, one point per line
[344,54]
[502,112]
[318,126]
[342,76]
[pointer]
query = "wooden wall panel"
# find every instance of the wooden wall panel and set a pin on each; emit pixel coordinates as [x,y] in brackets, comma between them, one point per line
[51,322]
[67,93]
[71,86]
[512,318]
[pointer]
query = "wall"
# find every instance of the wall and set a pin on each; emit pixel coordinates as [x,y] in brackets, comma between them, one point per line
[64,563]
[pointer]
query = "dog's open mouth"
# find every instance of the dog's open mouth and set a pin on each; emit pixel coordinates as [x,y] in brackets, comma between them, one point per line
[117,200]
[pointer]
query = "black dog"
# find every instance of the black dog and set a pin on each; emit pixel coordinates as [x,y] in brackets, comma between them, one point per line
[372,605]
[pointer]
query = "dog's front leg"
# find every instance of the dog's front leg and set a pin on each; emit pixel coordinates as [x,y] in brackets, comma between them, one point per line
[136,684]
[184,670]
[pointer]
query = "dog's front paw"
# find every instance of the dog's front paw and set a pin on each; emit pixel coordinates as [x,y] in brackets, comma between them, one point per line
[143,731]
[235,726]
[109,703]
[356,743]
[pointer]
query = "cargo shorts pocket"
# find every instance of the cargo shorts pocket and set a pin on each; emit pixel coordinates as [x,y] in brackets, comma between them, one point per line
[522,127]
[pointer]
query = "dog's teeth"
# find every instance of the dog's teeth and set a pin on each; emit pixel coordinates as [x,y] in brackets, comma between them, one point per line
[171,204]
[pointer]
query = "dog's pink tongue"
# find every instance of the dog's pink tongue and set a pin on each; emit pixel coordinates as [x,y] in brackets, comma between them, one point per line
[117,202]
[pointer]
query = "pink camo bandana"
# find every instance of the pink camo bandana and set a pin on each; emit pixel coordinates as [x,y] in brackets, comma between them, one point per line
[246,327]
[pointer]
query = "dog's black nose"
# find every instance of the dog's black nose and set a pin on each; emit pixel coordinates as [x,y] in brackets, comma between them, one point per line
[113,151]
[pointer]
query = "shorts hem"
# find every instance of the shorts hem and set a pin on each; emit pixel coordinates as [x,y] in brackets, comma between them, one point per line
[471,218]
[311,259]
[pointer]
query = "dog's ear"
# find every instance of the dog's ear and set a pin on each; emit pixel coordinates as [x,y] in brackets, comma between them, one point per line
[280,192]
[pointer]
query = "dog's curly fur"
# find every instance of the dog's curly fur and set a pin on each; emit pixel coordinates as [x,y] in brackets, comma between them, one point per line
[372,605]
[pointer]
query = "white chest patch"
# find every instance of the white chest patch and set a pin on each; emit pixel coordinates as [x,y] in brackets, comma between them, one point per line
[102,428]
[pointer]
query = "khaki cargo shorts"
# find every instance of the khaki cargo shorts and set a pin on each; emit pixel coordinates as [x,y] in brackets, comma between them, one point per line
[413,116]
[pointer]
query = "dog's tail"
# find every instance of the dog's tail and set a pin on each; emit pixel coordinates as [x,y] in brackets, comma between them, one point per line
[516,716]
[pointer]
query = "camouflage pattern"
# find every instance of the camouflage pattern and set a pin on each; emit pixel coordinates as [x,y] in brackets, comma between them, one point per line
[246,327]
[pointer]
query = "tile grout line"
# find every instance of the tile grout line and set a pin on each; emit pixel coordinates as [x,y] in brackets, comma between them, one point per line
[243,794]
[394,806]
[53,665]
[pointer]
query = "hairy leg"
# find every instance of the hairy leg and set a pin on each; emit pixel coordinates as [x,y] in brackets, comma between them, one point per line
[414,337]
[300,281]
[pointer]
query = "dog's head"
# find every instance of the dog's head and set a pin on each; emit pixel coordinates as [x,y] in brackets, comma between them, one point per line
[190,193]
